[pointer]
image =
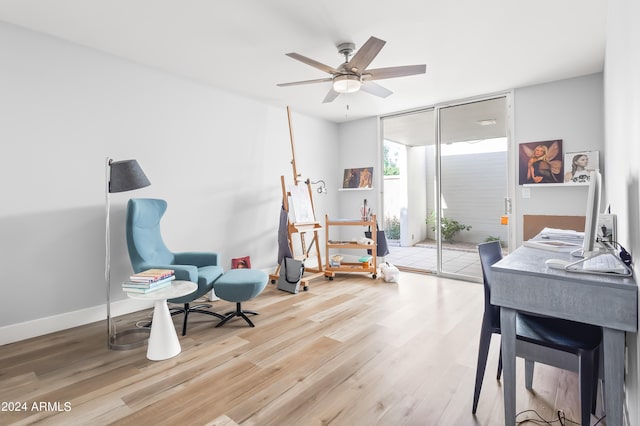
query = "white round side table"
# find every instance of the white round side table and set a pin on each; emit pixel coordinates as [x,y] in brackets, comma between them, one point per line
[163,339]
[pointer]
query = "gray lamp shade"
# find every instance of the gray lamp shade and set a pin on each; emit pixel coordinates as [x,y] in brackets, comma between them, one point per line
[126,175]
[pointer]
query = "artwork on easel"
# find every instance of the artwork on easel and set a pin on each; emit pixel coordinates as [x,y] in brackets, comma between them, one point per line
[297,217]
[577,166]
[300,207]
[358,178]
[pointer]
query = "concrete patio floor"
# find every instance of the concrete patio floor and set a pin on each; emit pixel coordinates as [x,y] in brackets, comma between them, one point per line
[463,260]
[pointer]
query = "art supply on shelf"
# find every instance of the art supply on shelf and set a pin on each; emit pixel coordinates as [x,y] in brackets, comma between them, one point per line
[364,263]
[365,211]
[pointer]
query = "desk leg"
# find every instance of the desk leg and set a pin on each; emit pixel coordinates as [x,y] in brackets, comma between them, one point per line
[163,340]
[508,331]
[613,374]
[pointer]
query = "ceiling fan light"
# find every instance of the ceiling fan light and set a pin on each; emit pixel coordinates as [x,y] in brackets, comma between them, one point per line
[346,83]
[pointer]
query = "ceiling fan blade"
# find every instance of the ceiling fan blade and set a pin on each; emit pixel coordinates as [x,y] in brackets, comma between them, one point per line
[331,96]
[392,72]
[313,63]
[375,89]
[365,55]
[296,83]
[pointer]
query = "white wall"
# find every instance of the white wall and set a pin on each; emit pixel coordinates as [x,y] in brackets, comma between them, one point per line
[417,202]
[571,110]
[405,195]
[215,157]
[622,144]
[476,202]
[360,146]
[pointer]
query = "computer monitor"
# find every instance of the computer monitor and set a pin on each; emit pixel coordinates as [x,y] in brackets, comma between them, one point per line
[592,214]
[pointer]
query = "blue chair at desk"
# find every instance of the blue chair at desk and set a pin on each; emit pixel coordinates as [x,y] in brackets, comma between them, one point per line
[539,339]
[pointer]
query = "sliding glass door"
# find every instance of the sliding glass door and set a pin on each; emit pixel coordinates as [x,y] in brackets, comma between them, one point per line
[445,185]
[407,138]
[472,184]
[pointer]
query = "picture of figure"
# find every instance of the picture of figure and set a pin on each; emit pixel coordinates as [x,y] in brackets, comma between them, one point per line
[578,165]
[365,178]
[351,178]
[538,163]
[358,178]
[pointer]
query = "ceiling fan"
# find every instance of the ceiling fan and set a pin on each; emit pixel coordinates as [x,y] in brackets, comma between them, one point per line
[352,75]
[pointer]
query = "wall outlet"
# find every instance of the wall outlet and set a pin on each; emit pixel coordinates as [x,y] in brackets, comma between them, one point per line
[607,227]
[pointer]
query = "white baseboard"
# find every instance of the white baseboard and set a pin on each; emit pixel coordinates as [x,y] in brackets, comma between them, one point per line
[41,326]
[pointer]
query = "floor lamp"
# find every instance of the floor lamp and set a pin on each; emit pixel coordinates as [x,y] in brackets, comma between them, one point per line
[121,176]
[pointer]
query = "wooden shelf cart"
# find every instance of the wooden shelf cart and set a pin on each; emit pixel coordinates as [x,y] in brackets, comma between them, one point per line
[349,267]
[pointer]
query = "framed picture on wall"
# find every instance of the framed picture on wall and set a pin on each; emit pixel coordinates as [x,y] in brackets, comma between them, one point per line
[358,178]
[541,162]
[577,166]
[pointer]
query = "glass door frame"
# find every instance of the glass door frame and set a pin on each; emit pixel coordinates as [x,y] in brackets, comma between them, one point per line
[511,169]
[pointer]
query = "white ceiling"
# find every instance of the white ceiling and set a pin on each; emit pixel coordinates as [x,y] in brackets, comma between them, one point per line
[470,47]
[457,123]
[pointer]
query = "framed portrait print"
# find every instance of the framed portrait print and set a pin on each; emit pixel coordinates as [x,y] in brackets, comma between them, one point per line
[540,162]
[358,178]
[577,166]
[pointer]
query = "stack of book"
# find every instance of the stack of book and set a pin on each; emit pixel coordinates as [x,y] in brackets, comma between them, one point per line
[149,280]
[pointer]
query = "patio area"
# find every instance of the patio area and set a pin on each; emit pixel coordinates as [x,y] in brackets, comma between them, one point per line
[459,258]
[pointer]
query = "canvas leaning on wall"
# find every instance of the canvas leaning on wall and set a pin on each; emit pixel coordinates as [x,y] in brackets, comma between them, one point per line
[577,166]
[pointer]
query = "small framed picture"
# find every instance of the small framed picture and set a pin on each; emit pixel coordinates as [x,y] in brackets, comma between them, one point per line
[358,178]
[577,166]
[241,263]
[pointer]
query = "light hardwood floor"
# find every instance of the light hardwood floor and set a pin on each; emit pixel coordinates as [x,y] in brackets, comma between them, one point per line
[352,351]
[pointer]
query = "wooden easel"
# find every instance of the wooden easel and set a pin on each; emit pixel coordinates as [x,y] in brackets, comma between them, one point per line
[300,229]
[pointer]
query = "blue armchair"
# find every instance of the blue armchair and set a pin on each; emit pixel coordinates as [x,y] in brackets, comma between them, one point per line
[147,250]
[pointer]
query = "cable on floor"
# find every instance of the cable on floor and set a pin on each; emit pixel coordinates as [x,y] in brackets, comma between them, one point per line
[561,420]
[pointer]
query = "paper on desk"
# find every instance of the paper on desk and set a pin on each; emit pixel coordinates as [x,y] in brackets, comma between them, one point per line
[553,245]
[561,234]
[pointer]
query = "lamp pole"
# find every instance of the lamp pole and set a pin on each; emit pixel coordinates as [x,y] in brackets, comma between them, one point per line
[120,176]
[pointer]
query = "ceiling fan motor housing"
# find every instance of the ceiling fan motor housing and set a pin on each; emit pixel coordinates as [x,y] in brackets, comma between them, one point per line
[346,49]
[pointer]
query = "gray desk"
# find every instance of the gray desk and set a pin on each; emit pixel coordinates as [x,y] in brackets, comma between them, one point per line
[522,282]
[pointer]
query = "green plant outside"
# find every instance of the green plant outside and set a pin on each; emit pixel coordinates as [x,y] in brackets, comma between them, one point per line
[491,238]
[392,228]
[390,164]
[449,227]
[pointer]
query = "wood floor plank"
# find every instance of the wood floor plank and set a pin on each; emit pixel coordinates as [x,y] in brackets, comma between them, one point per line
[350,351]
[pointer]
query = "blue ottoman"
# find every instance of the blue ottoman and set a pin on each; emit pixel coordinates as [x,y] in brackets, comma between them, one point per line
[239,285]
